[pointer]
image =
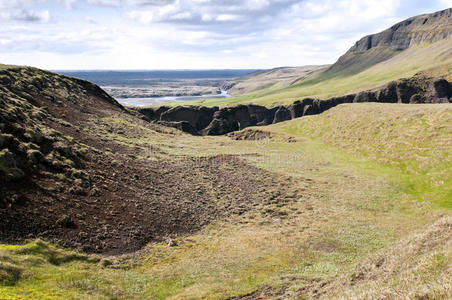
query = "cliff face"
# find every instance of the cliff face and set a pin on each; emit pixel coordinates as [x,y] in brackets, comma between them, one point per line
[372,49]
[200,120]
[416,30]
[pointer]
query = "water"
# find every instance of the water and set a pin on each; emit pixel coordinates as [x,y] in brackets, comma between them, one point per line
[145,78]
[133,88]
[162,100]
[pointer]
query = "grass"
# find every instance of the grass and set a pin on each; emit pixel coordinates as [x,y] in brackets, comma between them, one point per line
[349,206]
[413,142]
[433,59]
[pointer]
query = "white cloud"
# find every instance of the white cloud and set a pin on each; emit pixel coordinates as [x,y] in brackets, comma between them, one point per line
[226,17]
[148,34]
[446,3]
[17,10]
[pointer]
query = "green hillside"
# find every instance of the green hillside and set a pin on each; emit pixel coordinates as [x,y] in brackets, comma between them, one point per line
[434,59]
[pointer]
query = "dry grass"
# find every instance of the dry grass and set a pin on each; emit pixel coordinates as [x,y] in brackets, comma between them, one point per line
[414,139]
[418,267]
[278,77]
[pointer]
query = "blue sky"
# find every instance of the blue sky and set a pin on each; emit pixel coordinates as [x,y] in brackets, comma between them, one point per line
[197,34]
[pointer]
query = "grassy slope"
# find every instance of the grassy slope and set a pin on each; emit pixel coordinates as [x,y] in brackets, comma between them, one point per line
[415,141]
[434,59]
[350,200]
[284,76]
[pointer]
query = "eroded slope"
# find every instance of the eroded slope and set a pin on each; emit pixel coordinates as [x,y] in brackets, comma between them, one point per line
[74,170]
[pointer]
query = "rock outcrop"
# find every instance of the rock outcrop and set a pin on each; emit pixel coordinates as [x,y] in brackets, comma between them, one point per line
[199,120]
[379,47]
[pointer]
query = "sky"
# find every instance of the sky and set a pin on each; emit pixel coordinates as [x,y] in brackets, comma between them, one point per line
[197,34]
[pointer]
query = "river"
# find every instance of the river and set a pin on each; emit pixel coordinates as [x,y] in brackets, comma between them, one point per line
[162,100]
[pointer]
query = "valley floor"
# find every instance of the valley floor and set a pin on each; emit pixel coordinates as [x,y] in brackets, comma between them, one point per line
[353,203]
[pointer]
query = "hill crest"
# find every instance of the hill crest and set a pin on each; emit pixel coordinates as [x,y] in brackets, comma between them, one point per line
[375,48]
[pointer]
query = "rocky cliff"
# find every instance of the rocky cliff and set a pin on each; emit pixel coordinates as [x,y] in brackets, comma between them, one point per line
[372,49]
[200,120]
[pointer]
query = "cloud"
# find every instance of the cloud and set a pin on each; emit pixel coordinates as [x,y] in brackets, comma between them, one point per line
[17,10]
[29,16]
[192,34]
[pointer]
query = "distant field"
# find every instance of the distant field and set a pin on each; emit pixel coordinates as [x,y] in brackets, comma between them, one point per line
[434,59]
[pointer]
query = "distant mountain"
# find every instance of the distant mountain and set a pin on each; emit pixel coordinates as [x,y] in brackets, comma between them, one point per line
[419,46]
[375,48]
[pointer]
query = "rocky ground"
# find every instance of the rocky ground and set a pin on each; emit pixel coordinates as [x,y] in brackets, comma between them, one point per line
[64,180]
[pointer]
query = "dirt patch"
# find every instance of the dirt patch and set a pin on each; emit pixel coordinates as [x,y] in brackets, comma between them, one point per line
[132,202]
[115,200]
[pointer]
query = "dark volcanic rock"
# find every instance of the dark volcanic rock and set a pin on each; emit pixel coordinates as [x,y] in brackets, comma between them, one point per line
[214,121]
[326,104]
[260,115]
[442,89]
[308,110]
[415,99]
[181,125]
[150,114]
[296,109]
[344,99]
[388,94]
[220,127]
[365,97]
[198,116]
[282,114]
[405,90]
[238,113]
